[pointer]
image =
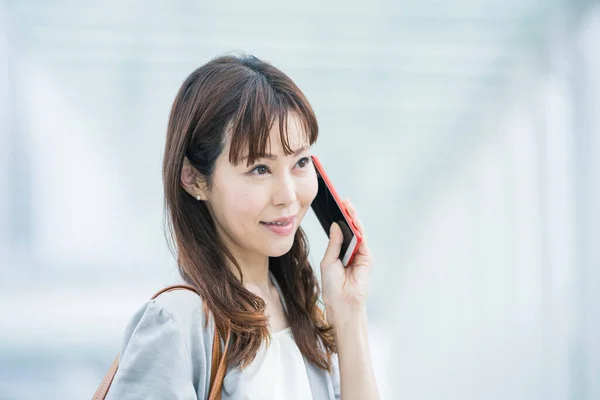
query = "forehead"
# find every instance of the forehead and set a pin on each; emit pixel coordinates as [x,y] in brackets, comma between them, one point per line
[283,136]
[294,136]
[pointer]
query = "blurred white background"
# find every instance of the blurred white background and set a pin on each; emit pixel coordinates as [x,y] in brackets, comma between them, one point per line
[467,133]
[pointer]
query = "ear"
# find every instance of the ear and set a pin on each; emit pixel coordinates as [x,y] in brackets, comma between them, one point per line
[192,181]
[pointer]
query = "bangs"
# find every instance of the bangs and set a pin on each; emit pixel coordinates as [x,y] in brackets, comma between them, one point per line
[261,104]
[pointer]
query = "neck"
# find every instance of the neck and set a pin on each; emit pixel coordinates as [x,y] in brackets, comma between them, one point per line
[255,267]
[255,270]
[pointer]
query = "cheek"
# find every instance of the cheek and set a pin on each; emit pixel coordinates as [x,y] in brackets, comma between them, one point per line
[244,205]
[307,189]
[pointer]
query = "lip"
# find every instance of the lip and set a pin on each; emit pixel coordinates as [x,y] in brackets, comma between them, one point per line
[282,220]
[281,230]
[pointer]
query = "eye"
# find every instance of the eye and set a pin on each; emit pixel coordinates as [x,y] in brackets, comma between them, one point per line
[260,170]
[303,162]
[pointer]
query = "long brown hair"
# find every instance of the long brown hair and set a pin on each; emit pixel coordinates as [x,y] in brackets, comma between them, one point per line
[236,100]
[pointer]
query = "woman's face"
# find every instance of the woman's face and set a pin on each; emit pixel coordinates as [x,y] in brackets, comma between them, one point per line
[258,208]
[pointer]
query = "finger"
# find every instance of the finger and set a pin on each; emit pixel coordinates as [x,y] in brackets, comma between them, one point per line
[332,253]
[352,211]
[364,249]
[363,257]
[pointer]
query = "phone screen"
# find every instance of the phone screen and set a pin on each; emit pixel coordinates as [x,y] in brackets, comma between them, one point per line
[327,212]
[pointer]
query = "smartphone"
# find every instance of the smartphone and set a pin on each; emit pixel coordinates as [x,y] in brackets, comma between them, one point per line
[329,208]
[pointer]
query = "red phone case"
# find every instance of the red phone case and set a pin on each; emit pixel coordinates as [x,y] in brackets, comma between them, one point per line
[340,205]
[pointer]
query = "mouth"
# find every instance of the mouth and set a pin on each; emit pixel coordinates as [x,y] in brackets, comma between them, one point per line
[281,221]
[281,226]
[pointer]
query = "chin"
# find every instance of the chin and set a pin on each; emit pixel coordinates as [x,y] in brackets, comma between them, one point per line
[279,249]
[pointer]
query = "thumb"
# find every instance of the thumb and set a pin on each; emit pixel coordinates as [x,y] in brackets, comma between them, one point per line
[332,253]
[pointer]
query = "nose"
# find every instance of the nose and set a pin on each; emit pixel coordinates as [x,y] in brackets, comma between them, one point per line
[284,191]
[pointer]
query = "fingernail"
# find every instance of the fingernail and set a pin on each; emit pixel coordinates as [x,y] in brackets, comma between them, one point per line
[333,228]
[336,233]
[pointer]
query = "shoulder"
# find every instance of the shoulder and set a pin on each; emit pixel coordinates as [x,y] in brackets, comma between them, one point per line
[166,350]
[178,312]
[184,307]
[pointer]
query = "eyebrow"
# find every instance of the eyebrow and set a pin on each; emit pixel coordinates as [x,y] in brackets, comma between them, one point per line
[274,157]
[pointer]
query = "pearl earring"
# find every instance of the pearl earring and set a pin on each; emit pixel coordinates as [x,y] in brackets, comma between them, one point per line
[198,197]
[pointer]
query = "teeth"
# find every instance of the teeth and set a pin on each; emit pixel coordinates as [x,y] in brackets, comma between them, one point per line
[277,223]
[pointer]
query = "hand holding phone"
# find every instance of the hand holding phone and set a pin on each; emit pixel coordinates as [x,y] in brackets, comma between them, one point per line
[329,208]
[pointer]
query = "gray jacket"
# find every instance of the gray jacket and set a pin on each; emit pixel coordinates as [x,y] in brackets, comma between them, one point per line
[167,352]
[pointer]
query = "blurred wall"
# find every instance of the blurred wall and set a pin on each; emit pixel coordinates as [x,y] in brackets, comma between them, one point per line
[466,133]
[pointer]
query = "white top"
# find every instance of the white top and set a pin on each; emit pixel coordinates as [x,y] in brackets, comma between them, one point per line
[278,371]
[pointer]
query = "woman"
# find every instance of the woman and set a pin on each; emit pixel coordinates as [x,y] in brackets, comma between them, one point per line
[238,180]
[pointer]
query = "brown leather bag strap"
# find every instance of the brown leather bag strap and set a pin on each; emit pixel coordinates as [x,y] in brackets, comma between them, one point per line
[174,287]
[102,390]
[218,364]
